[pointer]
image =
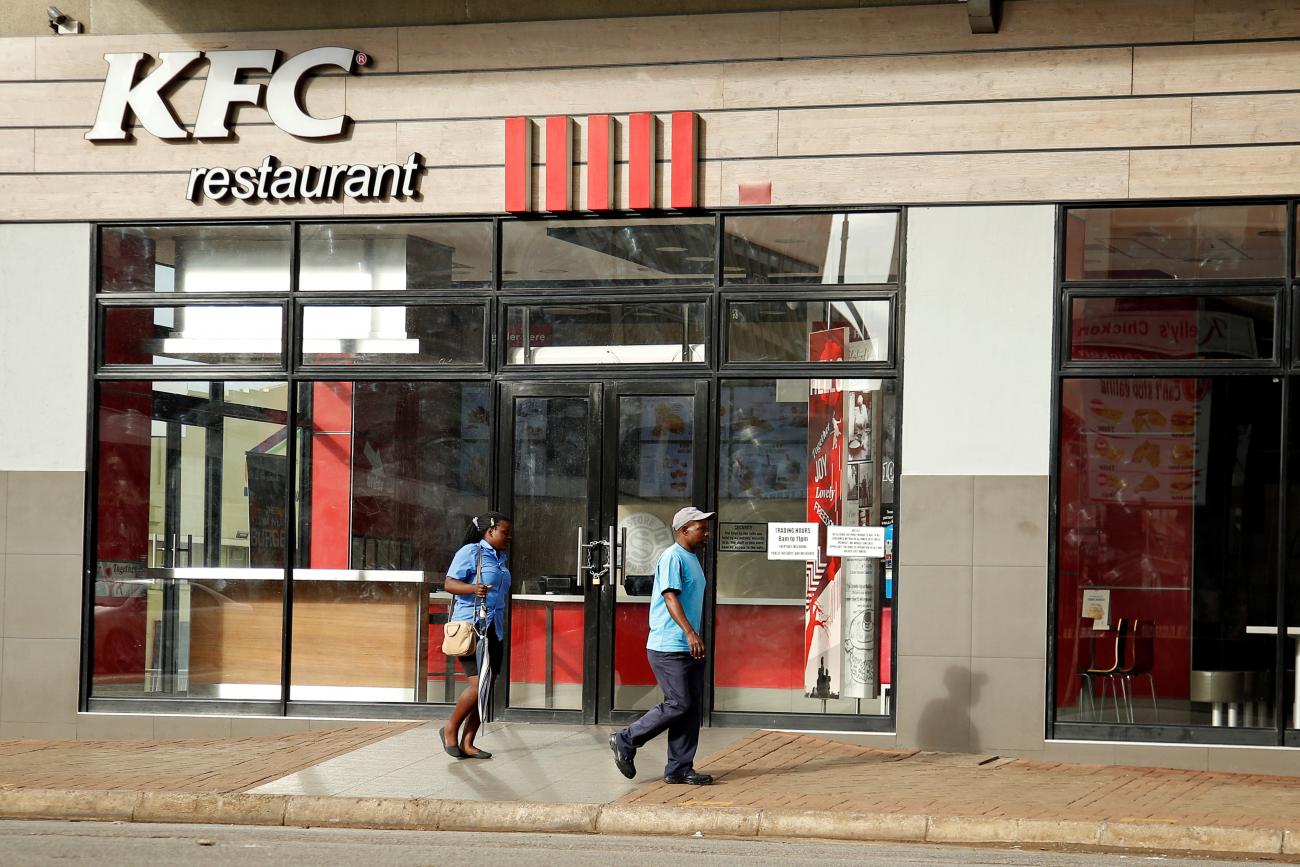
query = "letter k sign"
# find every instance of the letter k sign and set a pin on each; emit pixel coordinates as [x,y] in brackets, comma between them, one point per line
[144,98]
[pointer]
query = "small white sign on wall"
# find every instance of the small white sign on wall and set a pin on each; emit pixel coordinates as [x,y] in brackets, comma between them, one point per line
[855,541]
[792,541]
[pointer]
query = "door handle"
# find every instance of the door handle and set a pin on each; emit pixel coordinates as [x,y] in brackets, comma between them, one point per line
[617,546]
[581,574]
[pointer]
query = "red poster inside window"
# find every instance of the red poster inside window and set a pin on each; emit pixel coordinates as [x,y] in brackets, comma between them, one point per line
[822,629]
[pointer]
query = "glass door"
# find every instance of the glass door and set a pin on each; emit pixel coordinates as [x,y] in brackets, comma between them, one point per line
[591,474]
[655,437]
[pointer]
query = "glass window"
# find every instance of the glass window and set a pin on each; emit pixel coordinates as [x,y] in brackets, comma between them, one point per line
[837,330]
[389,474]
[618,333]
[193,334]
[1172,328]
[811,248]
[229,258]
[1176,243]
[780,462]
[666,251]
[398,334]
[551,487]
[361,257]
[190,547]
[1167,563]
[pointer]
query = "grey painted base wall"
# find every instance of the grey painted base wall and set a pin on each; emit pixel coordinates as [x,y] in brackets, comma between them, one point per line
[971,653]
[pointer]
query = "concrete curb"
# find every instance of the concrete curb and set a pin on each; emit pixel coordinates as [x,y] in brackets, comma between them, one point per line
[418,814]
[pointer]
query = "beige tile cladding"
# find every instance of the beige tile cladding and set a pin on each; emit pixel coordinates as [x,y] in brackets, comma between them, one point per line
[44,513]
[972,612]
[40,602]
[42,596]
[39,681]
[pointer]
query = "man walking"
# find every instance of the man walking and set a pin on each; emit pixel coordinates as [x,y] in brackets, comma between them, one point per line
[676,654]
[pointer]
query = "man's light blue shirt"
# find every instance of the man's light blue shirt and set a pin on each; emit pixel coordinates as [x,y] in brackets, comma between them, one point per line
[680,570]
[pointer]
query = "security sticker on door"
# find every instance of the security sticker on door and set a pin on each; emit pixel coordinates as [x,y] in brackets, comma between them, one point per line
[855,541]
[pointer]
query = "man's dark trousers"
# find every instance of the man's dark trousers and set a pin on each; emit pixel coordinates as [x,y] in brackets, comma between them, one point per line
[682,680]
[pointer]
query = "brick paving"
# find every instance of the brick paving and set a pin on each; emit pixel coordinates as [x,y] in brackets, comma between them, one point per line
[213,766]
[777,769]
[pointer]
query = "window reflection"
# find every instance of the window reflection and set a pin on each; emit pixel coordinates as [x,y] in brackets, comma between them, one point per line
[195,259]
[778,464]
[1179,243]
[415,334]
[622,333]
[190,506]
[193,334]
[365,257]
[644,252]
[783,330]
[388,475]
[1171,328]
[810,248]
[1167,563]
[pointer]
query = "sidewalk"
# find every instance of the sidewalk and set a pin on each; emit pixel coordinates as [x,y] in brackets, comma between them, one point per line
[558,778]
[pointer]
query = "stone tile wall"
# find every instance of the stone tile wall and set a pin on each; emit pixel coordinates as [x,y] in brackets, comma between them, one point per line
[972,612]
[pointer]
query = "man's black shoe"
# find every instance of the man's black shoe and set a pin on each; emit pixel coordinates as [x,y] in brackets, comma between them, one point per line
[690,778]
[621,760]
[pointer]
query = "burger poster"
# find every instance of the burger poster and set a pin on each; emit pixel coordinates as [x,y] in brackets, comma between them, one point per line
[1144,440]
[823,632]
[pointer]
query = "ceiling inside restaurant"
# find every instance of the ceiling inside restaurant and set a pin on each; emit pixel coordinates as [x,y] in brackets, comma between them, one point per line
[28,17]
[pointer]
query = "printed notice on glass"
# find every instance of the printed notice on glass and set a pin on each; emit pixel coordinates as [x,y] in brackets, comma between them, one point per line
[792,541]
[855,541]
[744,538]
[1096,607]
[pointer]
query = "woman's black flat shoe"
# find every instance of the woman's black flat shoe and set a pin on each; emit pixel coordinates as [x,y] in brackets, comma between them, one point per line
[481,754]
[454,751]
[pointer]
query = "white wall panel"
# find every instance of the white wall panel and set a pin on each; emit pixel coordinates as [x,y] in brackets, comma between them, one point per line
[978,341]
[44,341]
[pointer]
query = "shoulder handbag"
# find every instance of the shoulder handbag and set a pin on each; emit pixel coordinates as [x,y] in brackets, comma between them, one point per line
[460,637]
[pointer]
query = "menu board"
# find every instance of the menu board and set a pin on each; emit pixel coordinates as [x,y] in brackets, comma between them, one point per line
[1144,440]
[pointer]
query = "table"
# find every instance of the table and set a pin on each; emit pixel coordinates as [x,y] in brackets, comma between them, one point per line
[1291,632]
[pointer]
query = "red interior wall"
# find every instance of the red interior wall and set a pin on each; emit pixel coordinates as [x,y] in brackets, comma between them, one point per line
[749,652]
[1141,545]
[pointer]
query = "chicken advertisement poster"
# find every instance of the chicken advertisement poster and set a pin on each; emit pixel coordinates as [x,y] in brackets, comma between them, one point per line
[1145,440]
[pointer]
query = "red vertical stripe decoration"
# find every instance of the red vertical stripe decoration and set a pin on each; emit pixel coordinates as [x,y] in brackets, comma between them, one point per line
[600,162]
[519,165]
[559,163]
[684,159]
[641,162]
[331,475]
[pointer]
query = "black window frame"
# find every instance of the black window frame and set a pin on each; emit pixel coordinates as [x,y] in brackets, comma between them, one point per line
[495,297]
[1284,366]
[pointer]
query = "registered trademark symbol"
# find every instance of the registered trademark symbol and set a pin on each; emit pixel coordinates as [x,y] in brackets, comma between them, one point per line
[362,59]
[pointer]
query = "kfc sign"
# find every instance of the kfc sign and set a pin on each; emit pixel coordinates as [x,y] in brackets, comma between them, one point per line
[225,88]
[557,171]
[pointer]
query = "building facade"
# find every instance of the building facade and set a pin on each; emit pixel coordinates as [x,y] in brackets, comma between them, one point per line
[979,343]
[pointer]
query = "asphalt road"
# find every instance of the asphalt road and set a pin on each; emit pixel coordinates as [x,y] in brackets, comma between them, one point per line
[107,844]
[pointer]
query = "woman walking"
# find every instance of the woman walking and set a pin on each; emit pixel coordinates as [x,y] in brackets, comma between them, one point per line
[478,577]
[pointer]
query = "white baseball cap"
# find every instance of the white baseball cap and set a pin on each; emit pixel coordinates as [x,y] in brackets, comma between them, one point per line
[685,516]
